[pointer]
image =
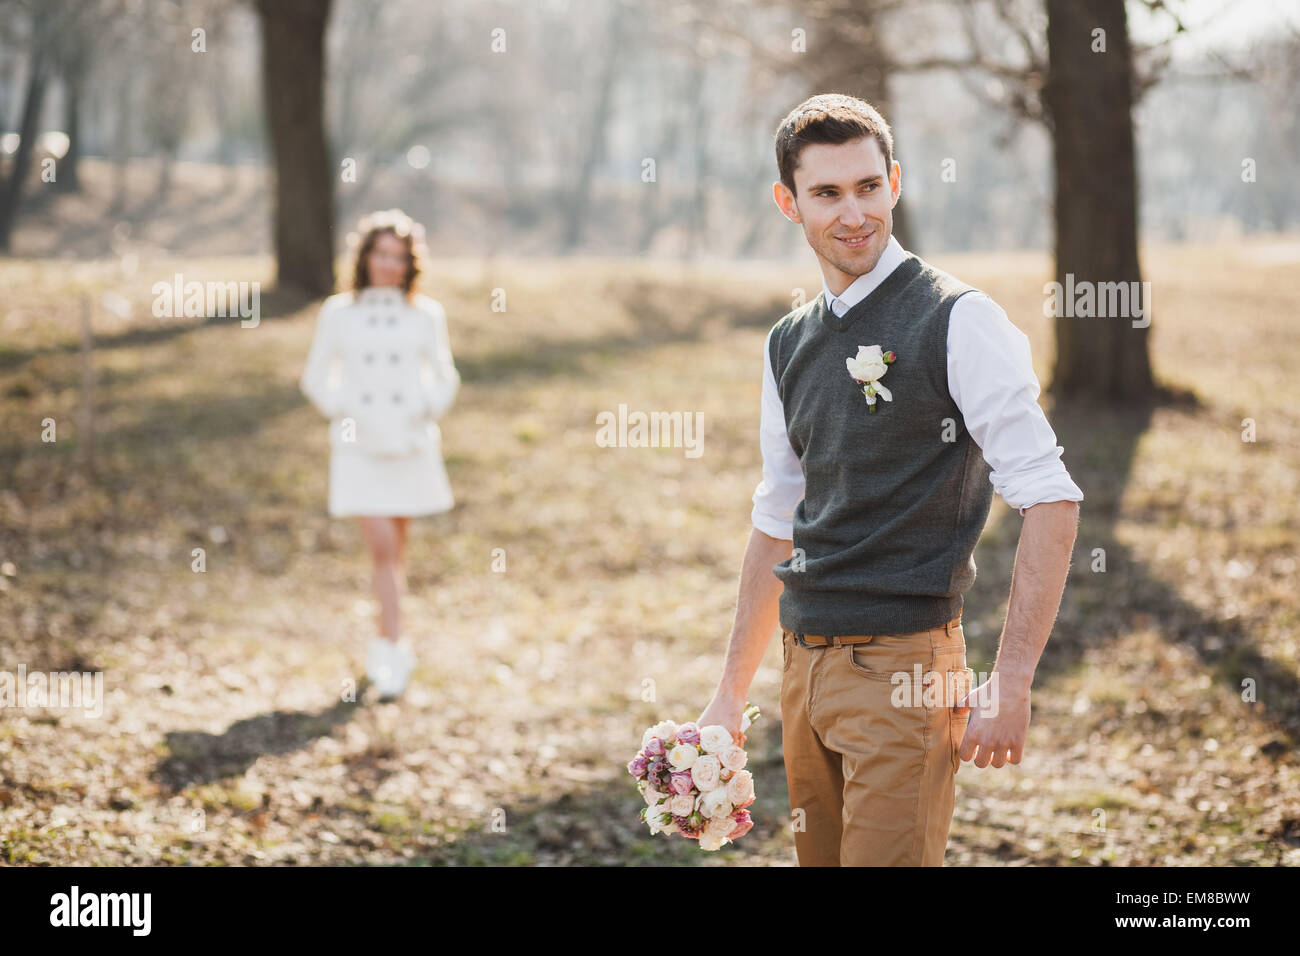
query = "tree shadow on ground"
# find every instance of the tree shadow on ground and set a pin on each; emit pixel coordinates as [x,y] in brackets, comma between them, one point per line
[599,825]
[1097,608]
[199,757]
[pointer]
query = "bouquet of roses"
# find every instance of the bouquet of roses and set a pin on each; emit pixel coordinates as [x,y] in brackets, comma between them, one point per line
[694,780]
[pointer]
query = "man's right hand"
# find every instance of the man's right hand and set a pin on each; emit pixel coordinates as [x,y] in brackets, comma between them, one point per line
[723,709]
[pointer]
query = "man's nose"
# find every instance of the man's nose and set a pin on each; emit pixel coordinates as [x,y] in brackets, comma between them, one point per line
[851,214]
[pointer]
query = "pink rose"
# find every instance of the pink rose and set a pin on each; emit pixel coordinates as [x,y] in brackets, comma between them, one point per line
[740,787]
[654,747]
[688,733]
[637,765]
[681,782]
[733,758]
[744,823]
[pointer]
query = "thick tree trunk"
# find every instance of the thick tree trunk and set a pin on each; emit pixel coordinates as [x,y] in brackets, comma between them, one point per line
[1090,97]
[293,71]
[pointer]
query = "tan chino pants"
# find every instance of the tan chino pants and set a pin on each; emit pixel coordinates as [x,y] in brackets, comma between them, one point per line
[871,746]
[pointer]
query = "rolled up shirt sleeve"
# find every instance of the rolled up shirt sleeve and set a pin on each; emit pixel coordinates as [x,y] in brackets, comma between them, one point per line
[991,378]
[782,487]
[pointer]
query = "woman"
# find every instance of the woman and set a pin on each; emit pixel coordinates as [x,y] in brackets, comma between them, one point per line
[385,446]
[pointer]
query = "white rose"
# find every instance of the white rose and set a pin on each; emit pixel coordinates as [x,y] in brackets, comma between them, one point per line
[652,819]
[715,804]
[682,805]
[733,758]
[683,756]
[706,773]
[652,796]
[868,365]
[723,825]
[740,787]
[665,730]
[715,737]
[715,832]
[712,841]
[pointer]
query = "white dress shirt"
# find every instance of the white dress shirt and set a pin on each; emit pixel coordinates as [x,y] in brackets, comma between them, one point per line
[990,378]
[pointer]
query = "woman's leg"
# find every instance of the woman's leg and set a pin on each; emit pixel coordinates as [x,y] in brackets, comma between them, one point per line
[403,526]
[381,536]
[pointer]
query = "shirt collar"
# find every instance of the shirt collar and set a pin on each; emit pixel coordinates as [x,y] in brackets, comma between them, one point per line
[865,284]
[380,295]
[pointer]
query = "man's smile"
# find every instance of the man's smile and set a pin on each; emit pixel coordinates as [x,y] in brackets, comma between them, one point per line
[855,242]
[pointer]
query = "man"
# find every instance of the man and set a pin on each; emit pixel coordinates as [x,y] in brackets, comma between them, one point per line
[894,405]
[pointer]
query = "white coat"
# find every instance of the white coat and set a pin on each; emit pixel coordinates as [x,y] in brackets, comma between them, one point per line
[380,368]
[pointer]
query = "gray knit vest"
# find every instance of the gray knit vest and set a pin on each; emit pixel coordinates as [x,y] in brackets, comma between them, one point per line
[895,500]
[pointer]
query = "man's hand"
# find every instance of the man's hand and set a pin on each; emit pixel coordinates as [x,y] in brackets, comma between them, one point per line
[999,721]
[999,708]
[724,710]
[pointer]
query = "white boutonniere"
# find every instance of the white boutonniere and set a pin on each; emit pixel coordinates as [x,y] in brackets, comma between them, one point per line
[867,367]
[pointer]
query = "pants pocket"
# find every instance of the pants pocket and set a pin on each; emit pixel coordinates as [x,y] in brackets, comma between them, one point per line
[955,677]
[887,655]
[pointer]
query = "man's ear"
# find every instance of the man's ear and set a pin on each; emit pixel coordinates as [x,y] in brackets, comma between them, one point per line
[895,183]
[785,201]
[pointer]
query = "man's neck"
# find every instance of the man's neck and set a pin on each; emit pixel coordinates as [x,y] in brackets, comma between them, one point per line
[856,288]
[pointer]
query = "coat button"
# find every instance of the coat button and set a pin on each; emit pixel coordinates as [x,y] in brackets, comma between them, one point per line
[394,357]
[374,320]
[370,356]
[365,397]
[397,396]
[392,320]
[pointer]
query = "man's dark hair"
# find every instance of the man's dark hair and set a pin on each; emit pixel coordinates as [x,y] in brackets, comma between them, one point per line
[829,118]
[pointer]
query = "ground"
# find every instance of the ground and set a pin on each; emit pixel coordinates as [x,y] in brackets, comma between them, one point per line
[1165,710]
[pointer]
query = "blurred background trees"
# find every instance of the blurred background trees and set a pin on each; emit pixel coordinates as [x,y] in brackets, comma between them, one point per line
[246,127]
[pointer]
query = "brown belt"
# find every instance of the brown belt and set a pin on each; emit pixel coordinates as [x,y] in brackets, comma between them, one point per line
[838,640]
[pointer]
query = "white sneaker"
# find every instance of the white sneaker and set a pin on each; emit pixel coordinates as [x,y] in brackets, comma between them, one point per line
[389,665]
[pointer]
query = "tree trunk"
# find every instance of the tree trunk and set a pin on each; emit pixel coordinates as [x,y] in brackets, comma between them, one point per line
[69,179]
[12,190]
[1089,96]
[594,146]
[122,140]
[293,73]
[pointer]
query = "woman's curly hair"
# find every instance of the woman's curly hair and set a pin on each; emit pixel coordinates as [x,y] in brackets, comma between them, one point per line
[362,240]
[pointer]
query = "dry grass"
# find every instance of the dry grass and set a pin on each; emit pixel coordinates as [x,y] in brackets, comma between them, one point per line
[223,739]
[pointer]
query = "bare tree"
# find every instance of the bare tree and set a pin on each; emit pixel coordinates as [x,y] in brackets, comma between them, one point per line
[293,74]
[1089,95]
[1082,84]
[44,20]
[596,128]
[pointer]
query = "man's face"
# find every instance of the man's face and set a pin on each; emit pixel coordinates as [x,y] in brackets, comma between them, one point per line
[844,198]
